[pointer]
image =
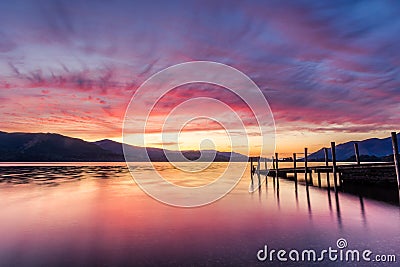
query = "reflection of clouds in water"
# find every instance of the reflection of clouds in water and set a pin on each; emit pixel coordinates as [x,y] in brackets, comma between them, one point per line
[55,175]
[106,220]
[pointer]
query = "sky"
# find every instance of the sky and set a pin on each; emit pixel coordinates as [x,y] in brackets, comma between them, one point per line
[328,69]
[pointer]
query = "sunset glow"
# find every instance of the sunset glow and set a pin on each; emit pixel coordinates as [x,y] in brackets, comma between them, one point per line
[71,68]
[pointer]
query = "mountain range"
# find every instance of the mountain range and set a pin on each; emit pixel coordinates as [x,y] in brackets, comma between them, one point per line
[373,149]
[50,147]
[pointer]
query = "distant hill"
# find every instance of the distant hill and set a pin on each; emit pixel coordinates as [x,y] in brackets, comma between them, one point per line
[156,154]
[136,153]
[40,147]
[373,149]
[50,147]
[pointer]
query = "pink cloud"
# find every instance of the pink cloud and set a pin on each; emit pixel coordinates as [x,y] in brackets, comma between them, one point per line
[319,65]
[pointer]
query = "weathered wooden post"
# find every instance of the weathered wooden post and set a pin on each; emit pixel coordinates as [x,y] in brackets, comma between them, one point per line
[334,170]
[294,170]
[326,156]
[251,167]
[258,170]
[273,163]
[276,170]
[319,179]
[266,170]
[327,164]
[357,152]
[396,157]
[305,165]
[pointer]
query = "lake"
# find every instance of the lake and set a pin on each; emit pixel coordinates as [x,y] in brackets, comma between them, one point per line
[93,214]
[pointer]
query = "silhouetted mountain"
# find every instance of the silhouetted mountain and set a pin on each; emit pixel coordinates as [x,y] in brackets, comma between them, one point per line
[373,149]
[156,154]
[136,153]
[116,148]
[40,147]
[50,147]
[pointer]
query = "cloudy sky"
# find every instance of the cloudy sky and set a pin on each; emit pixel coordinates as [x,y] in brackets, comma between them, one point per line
[329,69]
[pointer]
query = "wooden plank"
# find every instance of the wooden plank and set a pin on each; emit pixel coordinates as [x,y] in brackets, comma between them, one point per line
[324,169]
[373,173]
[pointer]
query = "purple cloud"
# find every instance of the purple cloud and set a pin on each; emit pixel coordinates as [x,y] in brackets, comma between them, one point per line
[323,66]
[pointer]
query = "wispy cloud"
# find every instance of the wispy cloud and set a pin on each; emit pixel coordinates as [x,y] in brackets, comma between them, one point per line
[323,66]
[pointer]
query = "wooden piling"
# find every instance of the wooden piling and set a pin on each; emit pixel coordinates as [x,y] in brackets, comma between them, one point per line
[258,171]
[266,170]
[326,156]
[396,157]
[328,182]
[251,167]
[357,152]
[342,174]
[305,165]
[276,170]
[294,170]
[334,170]
[319,179]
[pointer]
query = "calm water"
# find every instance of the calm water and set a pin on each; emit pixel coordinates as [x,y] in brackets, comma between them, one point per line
[88,215]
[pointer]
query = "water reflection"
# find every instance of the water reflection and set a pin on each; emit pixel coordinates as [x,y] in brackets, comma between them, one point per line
[329,201]
[308,192]
[362,208]
[96,215]
[338,213]
[308,201]
[278,201]
[55,175]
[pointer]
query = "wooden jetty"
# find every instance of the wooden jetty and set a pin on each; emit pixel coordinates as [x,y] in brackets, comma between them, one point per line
[385,174]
